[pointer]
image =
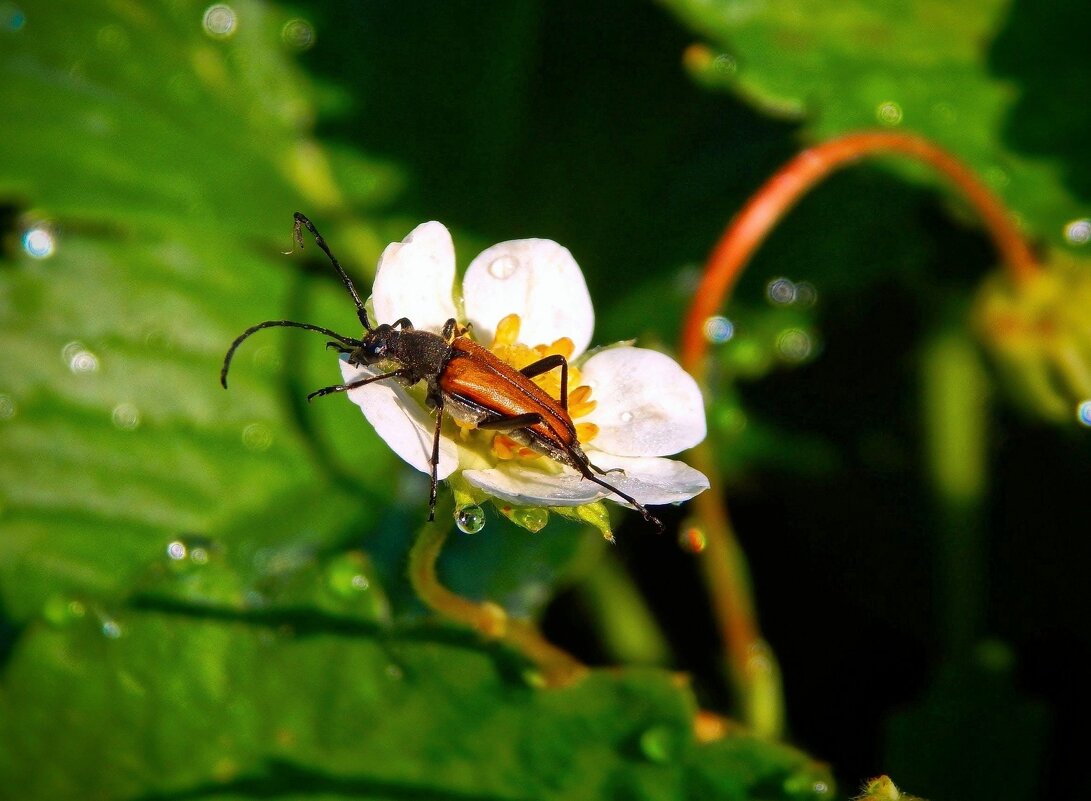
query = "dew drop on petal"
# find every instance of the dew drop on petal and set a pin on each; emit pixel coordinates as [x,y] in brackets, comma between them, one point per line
[626,417]
[780,291]
[8,407]
[220,21]
[718,329]
[1083,413]
[38,242]
[470,519]
[126,417]
[1078,232]
[503,267]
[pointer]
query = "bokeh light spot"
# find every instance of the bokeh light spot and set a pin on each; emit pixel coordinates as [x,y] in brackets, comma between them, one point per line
[220,21]
[1078,232]
[718,329]
[38,242]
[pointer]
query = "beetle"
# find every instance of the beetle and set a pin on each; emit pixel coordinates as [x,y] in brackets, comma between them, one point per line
[463,379]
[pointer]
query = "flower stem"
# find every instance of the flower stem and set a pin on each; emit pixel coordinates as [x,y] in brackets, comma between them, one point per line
[751,664]
[781,192]
[557,666]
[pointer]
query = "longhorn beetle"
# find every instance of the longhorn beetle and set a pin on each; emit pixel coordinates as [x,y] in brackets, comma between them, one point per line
[463,379]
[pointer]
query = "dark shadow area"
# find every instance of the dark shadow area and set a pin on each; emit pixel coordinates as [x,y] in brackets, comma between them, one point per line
[1043,48]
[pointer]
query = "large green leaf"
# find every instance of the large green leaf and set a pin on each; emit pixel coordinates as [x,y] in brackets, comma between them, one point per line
[991,81]
[319,705]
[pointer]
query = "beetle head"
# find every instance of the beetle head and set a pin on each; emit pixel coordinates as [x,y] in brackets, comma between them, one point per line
[374,347]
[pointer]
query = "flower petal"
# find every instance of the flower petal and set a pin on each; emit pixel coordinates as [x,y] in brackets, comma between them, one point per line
[647,405]
[528,487]
[415,278]
[651,480]
[400,420]
[536,279]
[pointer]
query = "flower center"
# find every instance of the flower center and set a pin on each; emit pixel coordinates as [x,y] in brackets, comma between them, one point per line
[506,347]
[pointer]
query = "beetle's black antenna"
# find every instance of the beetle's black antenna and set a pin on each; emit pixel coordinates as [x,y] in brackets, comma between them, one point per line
[286,324]
[301,220]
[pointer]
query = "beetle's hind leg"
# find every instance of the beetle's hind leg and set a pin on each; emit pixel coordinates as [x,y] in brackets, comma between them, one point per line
[544,366]
[586,470]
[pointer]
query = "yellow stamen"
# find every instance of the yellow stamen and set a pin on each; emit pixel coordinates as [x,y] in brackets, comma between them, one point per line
[586,431]
[580,409]
[507,331]
[578,396]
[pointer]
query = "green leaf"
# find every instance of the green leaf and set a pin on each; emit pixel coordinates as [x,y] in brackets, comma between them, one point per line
[973,76]
[152,154]
[225,705]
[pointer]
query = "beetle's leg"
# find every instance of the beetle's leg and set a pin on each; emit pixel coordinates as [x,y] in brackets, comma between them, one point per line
[435,460]
[547,364]
[403,324]
[602,472]
[318,393]
[511,423]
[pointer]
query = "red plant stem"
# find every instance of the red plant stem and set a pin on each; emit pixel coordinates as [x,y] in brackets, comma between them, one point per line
[770,203]
[724,564]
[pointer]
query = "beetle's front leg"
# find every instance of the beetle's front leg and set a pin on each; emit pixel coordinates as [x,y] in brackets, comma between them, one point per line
[438,400]
[318,393]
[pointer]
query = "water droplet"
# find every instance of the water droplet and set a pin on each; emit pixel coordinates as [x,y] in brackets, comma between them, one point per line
[889,113]
[805,785]
[8,407]
[79,360]
[718,329]
[126,416]
[38,242]
[725,64]
[794,344]
[503,267]
[659,744]
[626,417]
[346,575]
[532,518]
[110,628]
[257,437]
[177,550]
[470,519]
[12,18]
[298,34]
[220,21]
[780,291]
[1078,232]
[60,611]
[806,294]
[693,539]
[1083,413]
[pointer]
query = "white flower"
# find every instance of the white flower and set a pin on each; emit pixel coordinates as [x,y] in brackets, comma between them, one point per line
[526,299]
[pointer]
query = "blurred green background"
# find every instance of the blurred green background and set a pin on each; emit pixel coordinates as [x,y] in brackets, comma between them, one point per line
[202,593]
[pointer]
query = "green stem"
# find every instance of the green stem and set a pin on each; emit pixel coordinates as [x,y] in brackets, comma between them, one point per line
[557,667]
[955,410]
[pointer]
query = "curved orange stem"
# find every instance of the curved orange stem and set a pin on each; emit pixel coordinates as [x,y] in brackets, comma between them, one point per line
[770,203]
[752,668]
